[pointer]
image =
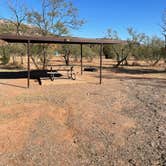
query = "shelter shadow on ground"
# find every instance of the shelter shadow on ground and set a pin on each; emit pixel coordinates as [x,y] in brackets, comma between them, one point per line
[34,74]
[137,71]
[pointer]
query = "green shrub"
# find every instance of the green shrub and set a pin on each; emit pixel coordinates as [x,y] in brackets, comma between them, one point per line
[108,52]
[5,56]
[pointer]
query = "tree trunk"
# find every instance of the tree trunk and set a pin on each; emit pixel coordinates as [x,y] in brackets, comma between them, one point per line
[126,62]
[34,62]
[67,57]
[13,58]
[121,61]
[21,59]
[45,56]
[68,60]
[75,59]
[157,61]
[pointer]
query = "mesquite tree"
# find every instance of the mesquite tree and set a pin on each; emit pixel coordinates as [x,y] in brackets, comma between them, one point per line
[164,32]
[55,17]
[18,11]
[126,49]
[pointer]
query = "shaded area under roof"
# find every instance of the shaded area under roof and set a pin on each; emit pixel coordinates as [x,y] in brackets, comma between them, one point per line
[54,40]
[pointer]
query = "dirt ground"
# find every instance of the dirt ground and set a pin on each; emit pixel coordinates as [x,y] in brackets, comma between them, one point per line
[69,123]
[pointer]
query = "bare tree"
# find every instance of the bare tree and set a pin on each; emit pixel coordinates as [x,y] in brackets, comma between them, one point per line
[19,13]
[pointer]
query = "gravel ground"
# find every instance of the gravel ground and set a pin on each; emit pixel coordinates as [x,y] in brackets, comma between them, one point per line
[120,123]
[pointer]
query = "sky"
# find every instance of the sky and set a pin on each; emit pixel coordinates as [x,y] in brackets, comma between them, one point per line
[100,15]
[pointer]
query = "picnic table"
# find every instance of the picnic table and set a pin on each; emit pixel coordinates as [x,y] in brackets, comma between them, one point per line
[70,73]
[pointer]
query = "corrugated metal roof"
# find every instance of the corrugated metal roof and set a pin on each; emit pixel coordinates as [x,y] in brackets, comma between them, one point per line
[61,40]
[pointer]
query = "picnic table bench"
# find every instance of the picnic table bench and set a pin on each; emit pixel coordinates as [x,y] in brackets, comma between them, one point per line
[70,73]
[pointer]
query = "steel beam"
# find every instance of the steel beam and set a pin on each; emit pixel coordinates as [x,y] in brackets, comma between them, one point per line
[101,54]
[28,64]
[81,60]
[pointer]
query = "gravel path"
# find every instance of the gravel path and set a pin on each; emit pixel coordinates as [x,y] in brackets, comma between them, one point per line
[119,123]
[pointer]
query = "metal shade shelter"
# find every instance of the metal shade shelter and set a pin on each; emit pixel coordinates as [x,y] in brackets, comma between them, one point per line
[59,40]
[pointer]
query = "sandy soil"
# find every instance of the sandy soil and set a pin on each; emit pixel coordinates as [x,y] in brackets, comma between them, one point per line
[71,123]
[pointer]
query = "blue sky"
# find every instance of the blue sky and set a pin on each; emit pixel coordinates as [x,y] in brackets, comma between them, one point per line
[143,15]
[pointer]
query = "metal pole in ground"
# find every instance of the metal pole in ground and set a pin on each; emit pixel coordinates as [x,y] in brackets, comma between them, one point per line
[81,61]
[101,54]
[28,63]
[165,41]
